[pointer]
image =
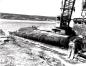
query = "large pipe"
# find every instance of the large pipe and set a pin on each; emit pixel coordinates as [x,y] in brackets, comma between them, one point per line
[47,37]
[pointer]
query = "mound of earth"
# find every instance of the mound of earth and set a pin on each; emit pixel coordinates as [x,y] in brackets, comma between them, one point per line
[2,33]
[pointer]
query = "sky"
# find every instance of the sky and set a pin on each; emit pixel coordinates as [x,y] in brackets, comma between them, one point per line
[37,7]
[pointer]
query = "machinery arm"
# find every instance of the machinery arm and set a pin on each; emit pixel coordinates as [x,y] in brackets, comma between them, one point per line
[67,11]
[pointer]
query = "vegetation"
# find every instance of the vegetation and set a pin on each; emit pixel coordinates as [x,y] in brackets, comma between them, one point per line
[80,29]
[26,17]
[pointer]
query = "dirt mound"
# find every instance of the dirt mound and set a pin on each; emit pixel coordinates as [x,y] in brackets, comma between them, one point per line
[2,32]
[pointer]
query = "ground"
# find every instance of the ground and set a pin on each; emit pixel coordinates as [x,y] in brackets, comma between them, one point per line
[25,52]
[12,54]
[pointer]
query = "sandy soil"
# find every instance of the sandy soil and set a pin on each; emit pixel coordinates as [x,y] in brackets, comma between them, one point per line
[12,54]
[25,52]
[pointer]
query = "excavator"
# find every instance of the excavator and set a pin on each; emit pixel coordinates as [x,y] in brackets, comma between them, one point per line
[65,19]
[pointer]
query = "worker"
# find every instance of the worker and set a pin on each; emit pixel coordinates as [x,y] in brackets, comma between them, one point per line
[75,46]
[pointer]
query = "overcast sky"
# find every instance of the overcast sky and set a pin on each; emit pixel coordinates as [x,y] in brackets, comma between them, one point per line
[36,7]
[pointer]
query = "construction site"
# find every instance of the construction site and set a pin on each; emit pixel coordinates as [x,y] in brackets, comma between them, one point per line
[31,40]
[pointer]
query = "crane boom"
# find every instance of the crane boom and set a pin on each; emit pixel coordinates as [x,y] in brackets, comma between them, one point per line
[67,11]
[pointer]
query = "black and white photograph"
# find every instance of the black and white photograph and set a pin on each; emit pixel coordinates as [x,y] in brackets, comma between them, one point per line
[42,32]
